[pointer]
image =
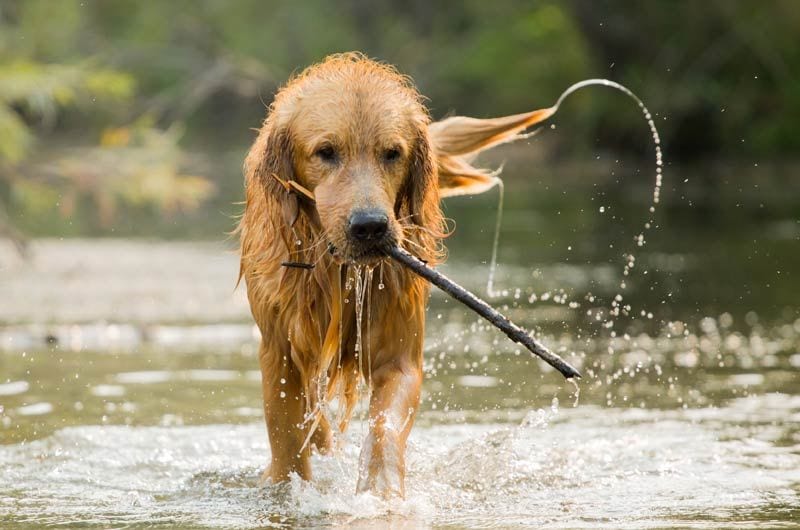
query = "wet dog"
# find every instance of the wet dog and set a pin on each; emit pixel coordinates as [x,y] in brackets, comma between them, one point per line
[347,164]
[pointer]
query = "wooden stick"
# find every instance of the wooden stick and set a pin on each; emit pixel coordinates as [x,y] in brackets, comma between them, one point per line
[417,266]
[297,265]
[512,331]
[292,186]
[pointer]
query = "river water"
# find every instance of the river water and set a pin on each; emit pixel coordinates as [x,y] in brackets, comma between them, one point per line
[130,396]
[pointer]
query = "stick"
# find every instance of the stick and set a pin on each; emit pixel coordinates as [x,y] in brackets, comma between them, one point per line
[297,265]
[416,265]
[512,331]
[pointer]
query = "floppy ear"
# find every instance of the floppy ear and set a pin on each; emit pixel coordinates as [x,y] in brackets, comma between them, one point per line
[457,140]
[420,190]
[270,163]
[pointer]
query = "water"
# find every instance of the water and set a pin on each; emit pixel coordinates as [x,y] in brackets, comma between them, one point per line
[584,467]
[130,391]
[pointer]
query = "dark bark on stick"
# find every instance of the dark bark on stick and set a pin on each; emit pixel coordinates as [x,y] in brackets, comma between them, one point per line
[512,331]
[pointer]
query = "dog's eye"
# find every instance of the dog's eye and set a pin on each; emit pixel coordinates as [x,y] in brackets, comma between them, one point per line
[326,153]
[390,155]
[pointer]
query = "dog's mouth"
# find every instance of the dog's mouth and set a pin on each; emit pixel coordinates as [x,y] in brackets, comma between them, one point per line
[361,252]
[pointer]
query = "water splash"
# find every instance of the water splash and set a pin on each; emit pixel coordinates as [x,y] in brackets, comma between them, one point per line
[639,240]
[577,393]
[496,240]
[381,285]
[602,468]
[341,317]
[362,291]
[617,303]
[359,296]
[368,296]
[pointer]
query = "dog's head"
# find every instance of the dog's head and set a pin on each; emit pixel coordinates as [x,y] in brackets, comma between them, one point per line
[355,133]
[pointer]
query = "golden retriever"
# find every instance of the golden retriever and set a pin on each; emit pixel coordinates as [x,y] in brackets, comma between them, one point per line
[355,133]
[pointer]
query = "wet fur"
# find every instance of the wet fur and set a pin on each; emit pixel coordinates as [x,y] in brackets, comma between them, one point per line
[309,304]
[307,318]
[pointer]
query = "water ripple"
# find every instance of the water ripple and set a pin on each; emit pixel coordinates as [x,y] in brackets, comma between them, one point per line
[587,467]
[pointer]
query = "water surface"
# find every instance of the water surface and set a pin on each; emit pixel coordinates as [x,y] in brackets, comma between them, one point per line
[130,396]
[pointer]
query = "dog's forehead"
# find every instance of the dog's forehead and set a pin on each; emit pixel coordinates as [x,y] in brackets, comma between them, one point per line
[351,108]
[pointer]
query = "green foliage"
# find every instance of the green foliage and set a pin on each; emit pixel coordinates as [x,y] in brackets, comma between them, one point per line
[725,75]
[38,91]
[43,73]
[16,138]
[722,77]
[509,59]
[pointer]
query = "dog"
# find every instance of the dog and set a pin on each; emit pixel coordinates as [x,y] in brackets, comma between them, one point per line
[347,164]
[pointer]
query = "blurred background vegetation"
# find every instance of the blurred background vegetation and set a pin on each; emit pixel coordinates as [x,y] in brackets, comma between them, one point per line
[123,118]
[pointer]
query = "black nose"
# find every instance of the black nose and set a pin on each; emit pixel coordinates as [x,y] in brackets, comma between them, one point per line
[366,225]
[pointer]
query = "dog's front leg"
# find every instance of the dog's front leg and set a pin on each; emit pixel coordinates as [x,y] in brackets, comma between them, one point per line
[284,405]
[395,397]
